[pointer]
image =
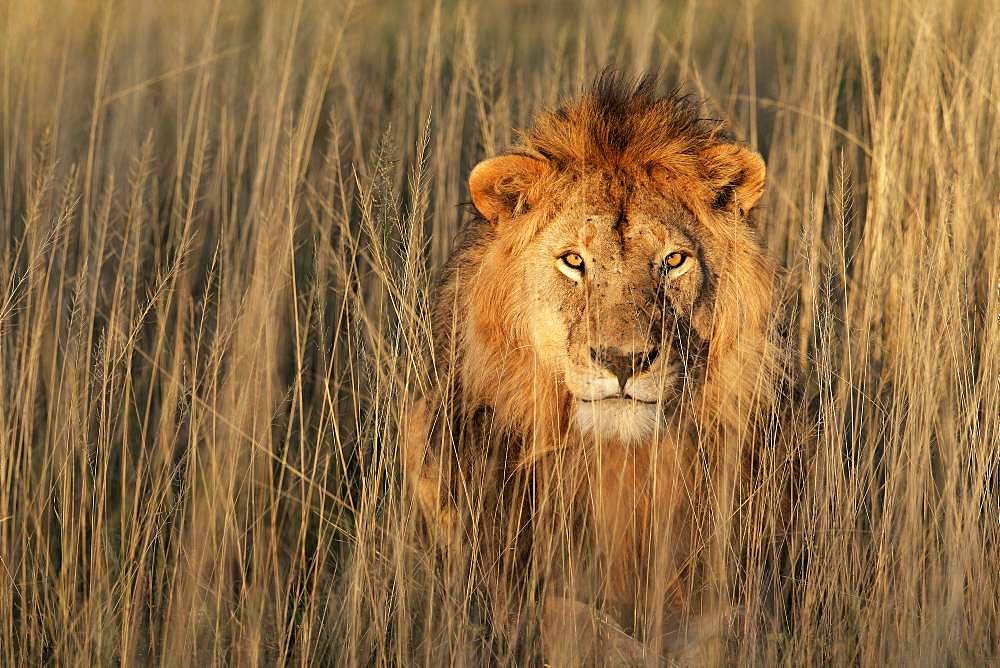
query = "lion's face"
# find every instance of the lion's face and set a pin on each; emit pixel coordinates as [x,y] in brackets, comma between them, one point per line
[621,275]
[618,297]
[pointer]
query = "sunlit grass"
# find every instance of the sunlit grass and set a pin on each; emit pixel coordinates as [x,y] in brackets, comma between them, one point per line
[219,224]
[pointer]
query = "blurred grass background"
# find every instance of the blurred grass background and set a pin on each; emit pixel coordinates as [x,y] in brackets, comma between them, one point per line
[219,222]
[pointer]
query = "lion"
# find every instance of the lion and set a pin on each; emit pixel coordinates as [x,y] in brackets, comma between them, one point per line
[605,369]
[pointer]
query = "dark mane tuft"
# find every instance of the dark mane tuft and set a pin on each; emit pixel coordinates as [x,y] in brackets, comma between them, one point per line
[623,123]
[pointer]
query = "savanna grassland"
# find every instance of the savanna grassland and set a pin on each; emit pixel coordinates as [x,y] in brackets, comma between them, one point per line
[219,225]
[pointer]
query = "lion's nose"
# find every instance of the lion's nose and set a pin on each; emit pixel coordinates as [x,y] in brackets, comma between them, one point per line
[622,363]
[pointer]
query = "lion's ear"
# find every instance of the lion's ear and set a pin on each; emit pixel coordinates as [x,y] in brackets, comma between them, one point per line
[736,175]
[500,187]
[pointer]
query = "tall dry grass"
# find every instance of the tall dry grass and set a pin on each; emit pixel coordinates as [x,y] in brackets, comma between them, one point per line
[218,225]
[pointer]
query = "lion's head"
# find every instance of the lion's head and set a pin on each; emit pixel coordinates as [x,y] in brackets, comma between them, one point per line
[619,283]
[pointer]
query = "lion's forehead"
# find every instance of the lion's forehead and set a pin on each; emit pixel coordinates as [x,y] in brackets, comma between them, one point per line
[622,238]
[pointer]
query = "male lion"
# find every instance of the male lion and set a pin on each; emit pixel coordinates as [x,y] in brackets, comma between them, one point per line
[606,371]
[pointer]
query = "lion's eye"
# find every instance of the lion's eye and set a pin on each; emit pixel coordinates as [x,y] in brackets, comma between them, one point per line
[674,260]
[573,261]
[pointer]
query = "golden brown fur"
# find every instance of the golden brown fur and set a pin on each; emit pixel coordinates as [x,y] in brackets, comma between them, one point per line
[529,350]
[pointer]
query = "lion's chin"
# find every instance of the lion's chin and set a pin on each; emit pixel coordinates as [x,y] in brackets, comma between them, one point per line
[621,420]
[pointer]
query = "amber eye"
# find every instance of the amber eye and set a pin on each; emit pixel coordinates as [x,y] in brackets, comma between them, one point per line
[674,260]
[573,261]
